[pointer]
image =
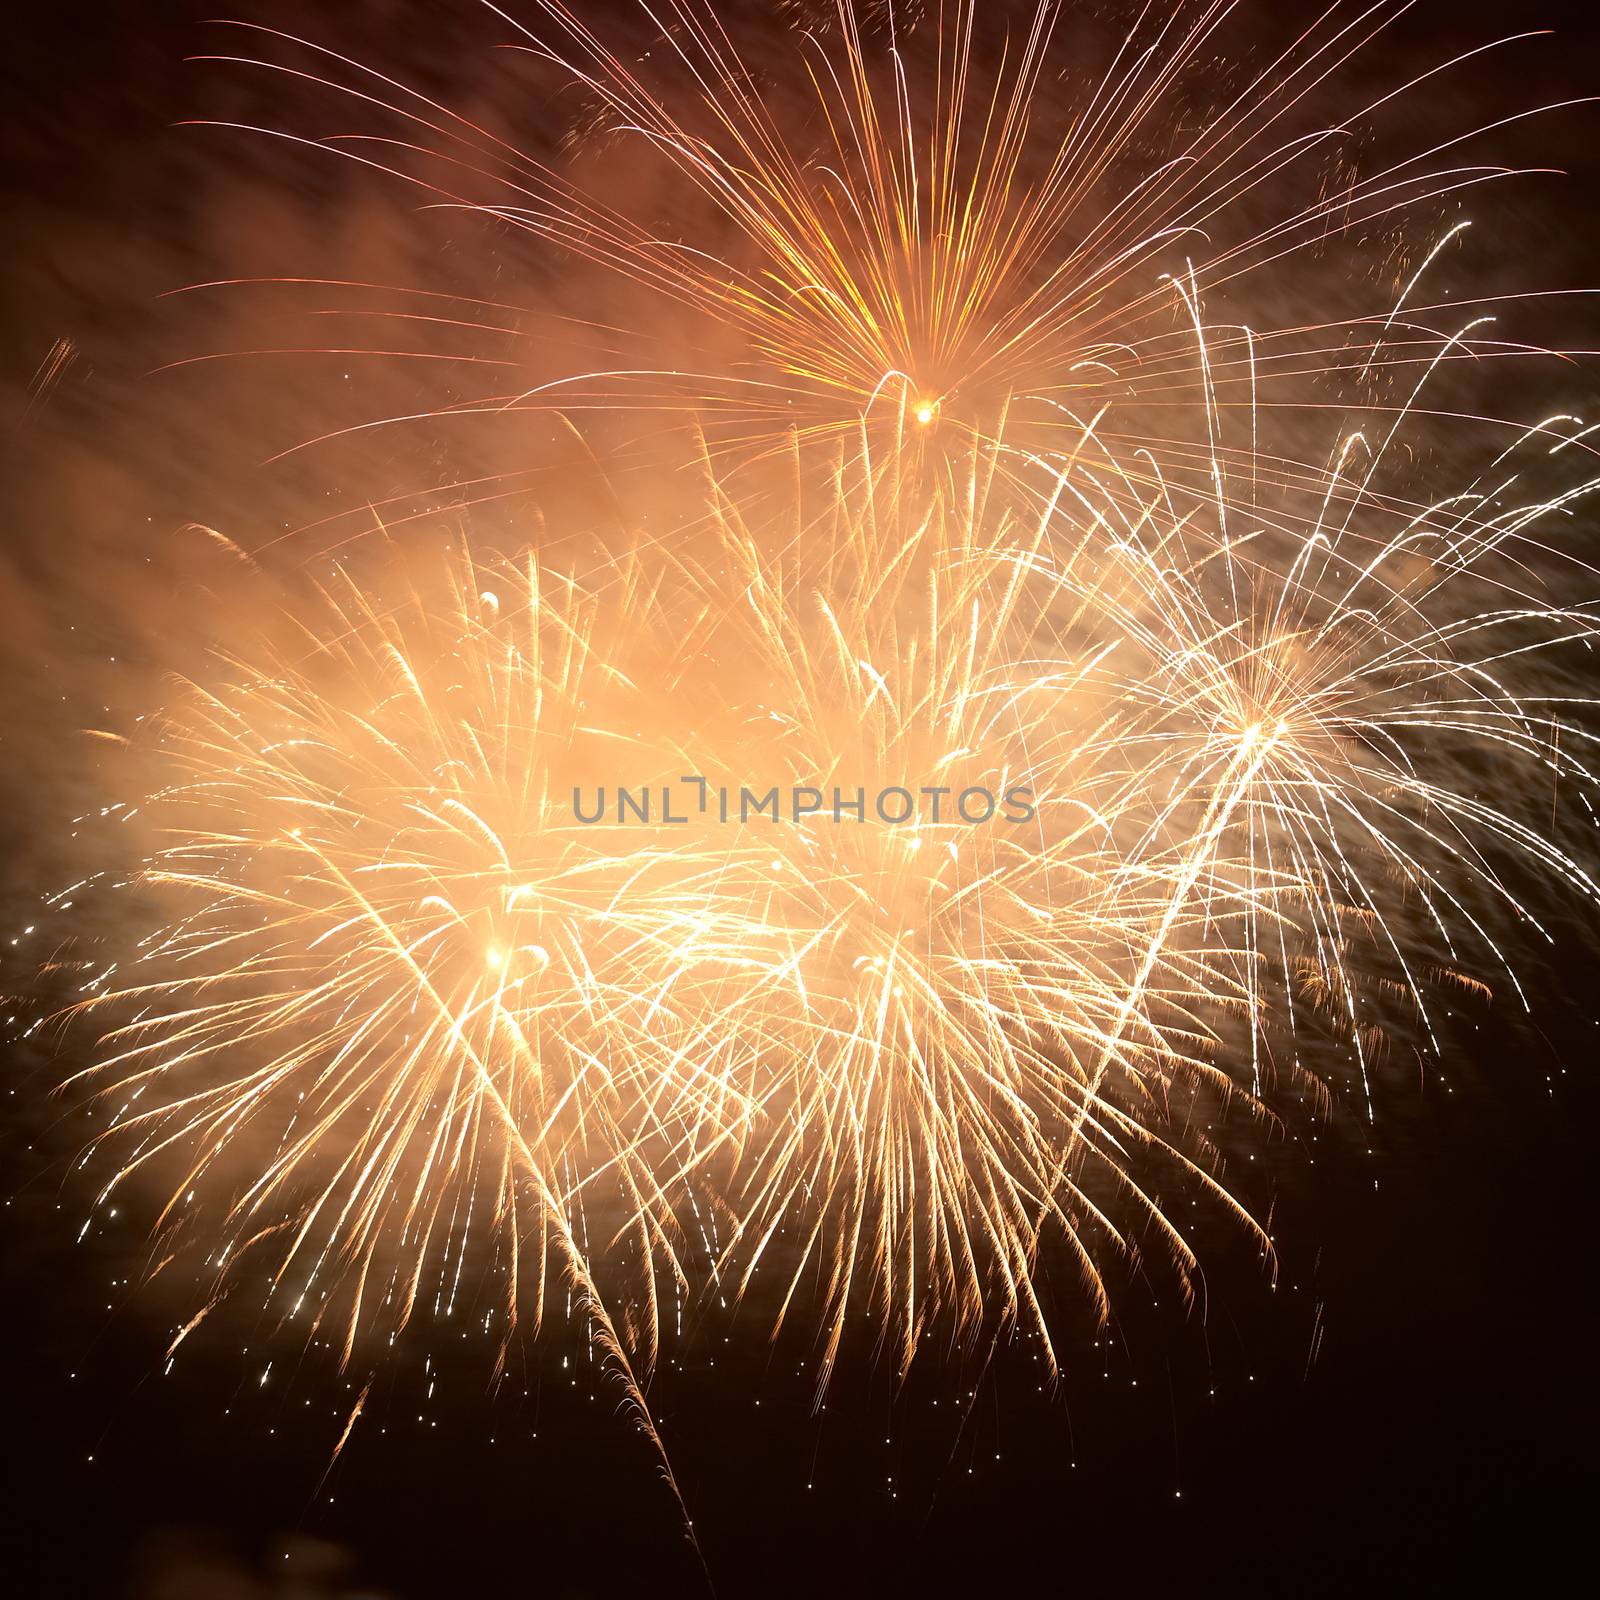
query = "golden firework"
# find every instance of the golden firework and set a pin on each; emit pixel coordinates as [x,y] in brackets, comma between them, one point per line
[861,886]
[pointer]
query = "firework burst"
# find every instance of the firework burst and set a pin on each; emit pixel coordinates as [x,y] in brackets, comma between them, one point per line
[950,231]
[438,967]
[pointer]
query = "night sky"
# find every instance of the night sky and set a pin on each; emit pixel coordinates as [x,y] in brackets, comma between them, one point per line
[1409,1410]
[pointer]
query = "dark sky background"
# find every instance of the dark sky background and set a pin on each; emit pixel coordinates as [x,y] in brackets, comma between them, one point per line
[1410,1410]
